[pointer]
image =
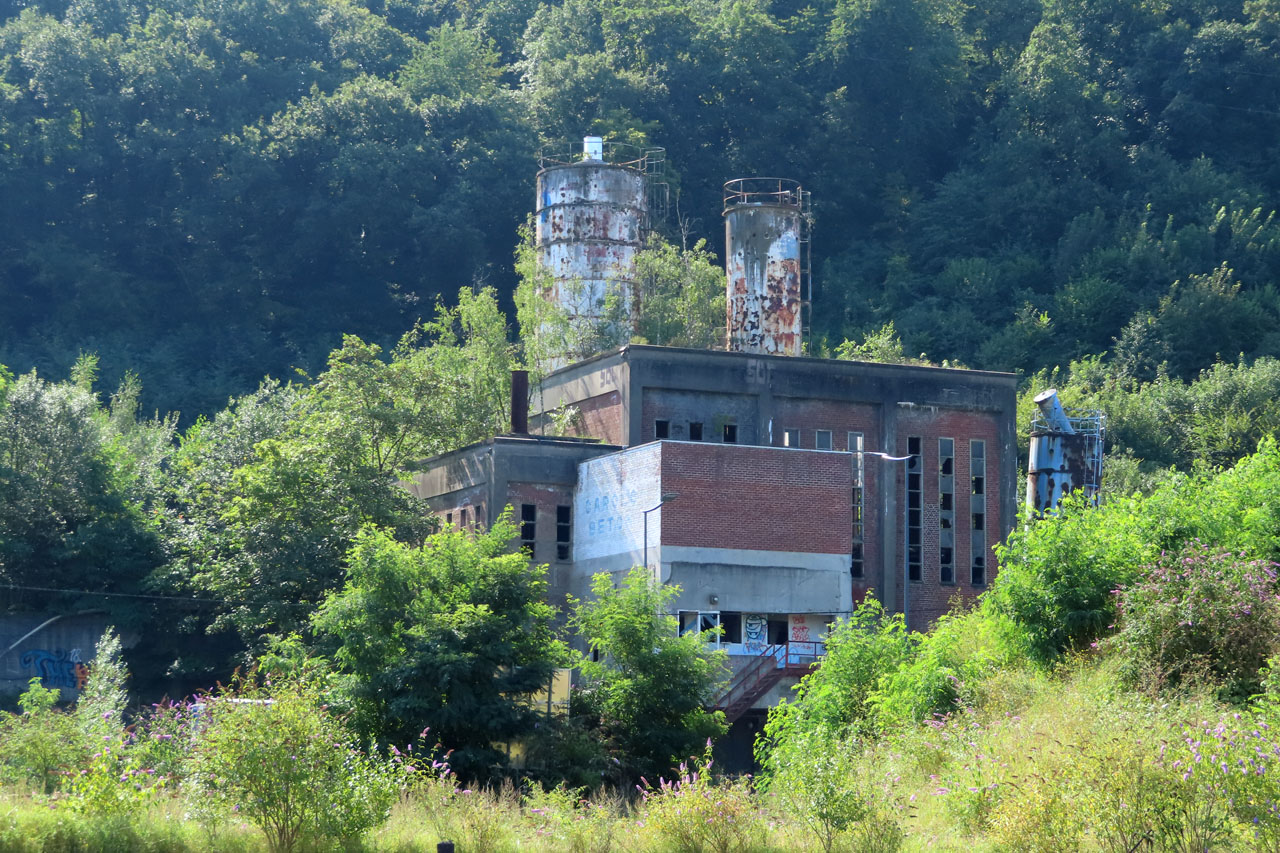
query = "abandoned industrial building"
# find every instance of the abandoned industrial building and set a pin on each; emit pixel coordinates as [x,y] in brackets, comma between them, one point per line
[776,490]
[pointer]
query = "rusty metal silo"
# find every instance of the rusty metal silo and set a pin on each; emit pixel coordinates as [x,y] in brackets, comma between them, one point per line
[1066,453]
[766,235]
[592,216]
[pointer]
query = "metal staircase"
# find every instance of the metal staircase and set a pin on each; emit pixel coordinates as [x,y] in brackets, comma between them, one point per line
[758,677]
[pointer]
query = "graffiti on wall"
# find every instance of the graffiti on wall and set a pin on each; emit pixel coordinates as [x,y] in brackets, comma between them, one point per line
[610,500]
[755,631]
[60,668]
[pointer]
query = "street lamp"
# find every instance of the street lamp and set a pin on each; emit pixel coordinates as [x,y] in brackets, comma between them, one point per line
[665,497]
[906,527]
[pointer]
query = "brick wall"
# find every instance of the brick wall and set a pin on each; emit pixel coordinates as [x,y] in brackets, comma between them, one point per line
[929,598]
[756,498]
[473,502]
[599,417]
[545,499]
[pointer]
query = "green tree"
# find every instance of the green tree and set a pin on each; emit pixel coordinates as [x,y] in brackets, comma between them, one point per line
[309,468]
[285,763]
[646,687]
[452,635]
[679,296]
[76,488]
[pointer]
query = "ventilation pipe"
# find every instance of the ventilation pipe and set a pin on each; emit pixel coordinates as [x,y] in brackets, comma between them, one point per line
[1066,454]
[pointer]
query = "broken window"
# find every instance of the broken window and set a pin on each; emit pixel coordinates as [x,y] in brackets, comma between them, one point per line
[915,507]
[528,528]
[731,622]
[448,518]
[978,511]
[688,621]
[778,631]
[730,433]
[709,624]
[564,531]
[822,439]
[855,446]
[695,431]
[791,438]
[661,429]
[946,511]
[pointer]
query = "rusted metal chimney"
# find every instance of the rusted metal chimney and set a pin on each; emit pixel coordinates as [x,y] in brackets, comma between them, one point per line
[766,266]
[1066,453]
[520,402]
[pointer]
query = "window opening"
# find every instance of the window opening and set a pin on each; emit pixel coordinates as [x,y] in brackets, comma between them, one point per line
[946,511]
[528,528]
[730,433]
[978,511]
[859,461]
[791,438]
[915,507]
[822,439]
[731,622]
[695,431]
[564,531]
[661,429]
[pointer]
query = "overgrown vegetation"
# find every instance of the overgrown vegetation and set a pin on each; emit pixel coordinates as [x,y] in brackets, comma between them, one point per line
[1133,702]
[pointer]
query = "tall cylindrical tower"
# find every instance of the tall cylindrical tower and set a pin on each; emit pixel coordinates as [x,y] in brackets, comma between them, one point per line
[765,229]
[592,214]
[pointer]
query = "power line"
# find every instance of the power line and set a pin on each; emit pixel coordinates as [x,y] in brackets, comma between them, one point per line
[112,594]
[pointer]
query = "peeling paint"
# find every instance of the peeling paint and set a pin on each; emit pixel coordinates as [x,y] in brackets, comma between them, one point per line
[589,225]
[763,233]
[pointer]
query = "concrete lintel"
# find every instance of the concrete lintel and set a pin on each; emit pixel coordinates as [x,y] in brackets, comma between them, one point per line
[744,557]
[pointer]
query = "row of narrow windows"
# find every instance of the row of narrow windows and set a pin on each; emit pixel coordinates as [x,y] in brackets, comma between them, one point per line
[728,433]
[947,510]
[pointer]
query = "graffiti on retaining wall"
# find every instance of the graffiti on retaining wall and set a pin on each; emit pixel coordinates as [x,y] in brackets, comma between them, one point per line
[60,668]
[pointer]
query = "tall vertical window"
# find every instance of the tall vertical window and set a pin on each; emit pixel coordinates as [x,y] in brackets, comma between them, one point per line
[791,438]
[946,510]
[695,431]
[528,528]
[855,447]
[564,531]
[730,433]
[978,510]
[661,429]
[915,506]
[822,439]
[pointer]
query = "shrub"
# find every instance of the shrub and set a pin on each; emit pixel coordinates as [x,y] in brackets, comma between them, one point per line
[282,762]
[696,814]
[113,784]
[40,744]
[1200,612]
[837,790]
[1057,573]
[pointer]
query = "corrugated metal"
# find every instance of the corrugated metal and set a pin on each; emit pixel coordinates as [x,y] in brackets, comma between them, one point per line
[764,235]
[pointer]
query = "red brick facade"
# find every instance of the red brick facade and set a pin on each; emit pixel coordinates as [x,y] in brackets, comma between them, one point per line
[756,498]
[599,417]
[929,598]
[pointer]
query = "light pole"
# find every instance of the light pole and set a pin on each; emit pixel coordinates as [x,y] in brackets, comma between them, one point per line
[665,497]
[906,527]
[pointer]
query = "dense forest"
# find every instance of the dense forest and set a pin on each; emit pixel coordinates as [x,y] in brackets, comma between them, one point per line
[206,192]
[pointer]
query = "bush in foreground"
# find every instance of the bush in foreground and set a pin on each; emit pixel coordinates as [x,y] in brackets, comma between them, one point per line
[286,765]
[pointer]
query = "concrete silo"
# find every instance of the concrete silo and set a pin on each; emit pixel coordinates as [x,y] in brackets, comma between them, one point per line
[592,215]
[766,236]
